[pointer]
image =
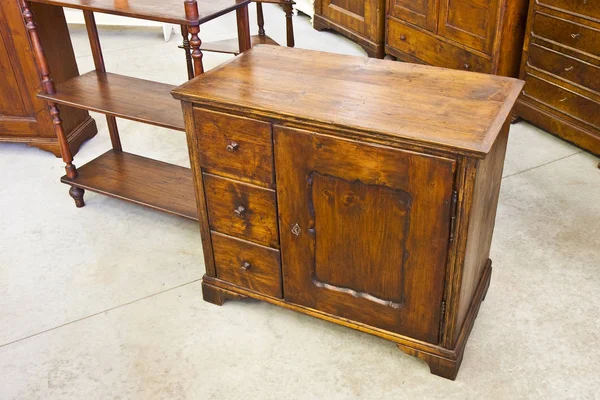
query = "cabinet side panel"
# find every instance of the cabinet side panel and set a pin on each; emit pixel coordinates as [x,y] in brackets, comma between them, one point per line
[511,38]
[481,223]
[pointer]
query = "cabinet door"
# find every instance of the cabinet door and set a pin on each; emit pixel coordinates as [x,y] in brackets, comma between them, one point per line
[364,230]
[360,16]
[422,13]
[470,22]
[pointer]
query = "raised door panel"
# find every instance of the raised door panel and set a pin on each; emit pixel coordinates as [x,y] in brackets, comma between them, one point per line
[357,15]
[422,13]
[364,230]
[11,102]
[469,22]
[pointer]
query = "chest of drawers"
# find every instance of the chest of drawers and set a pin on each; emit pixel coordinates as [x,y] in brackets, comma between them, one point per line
[369,202]
[561,68]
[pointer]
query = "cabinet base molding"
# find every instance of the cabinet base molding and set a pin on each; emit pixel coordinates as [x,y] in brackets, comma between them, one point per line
[442,362]
[85,131]
[373,49]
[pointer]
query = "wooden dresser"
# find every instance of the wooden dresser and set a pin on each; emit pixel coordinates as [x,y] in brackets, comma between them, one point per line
[473,35]
[24,117]
[561,68]
[360,20]
[377,215]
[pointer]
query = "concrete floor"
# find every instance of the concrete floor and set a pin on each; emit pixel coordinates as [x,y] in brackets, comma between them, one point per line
[104,302]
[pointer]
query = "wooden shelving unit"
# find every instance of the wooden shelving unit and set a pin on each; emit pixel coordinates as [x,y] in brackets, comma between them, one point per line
[127,176]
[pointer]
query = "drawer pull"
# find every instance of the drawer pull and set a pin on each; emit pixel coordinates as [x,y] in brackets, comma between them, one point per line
[562,100]
[575,35]
[246,266]
[296,229]
[569,68]
[403,38]
[467,67]
[240,211]
[233,146]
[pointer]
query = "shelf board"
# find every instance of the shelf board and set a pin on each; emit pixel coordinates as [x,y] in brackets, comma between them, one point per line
[231,46]
[169,11]
[155,184]
[121,96]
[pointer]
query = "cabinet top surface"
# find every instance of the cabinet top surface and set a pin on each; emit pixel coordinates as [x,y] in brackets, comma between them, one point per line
[441,107]
[170,11]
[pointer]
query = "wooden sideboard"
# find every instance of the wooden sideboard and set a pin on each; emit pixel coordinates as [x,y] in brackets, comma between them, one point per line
[377,215]
[23,117]
[561,68]
[473,35]
[360,20]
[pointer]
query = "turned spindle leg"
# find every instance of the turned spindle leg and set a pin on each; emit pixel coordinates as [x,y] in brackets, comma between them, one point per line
[243,29]
[49,88]
[289,13]
[192,15]
[77,195]
[188,52]
[260,19]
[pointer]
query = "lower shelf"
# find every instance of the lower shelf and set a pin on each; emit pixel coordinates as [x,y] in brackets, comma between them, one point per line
[155,184]
[231,46]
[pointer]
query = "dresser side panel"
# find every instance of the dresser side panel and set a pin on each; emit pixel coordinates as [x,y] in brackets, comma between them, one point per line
[481,223]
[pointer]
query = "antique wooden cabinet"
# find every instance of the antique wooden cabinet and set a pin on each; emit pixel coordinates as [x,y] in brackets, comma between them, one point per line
[360,20]
[24,117]
[561,68]
[377,215]
[473,35]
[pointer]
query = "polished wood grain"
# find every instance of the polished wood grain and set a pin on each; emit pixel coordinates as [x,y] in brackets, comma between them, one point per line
[383,234]
[169,11]
[561,67]
[481,36]
[438,108]
[361,219]
[247,264]
[139,180]
[120,96]
[23,117]
[231,46]
[359,20]
[245,211]
[235,147]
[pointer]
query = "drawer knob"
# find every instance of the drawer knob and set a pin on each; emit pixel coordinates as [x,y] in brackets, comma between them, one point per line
[467,67]
[240,211]
[569,68]
[233,146]
[246,266]
[575,35]
[402,37]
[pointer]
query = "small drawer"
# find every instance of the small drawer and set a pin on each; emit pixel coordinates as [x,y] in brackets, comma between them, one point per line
[566,67]
[236,147]
[245,264]
[242,210]
[562,100]
[567,33]
[433,51]
[585,8]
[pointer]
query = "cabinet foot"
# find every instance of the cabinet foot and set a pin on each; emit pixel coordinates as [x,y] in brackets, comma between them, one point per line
[217,295]
[439,366]
[514,118]
[77,195]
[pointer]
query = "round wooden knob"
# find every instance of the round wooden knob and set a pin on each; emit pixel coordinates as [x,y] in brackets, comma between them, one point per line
[240,211]
[246,266]
[402,37]
[233,146]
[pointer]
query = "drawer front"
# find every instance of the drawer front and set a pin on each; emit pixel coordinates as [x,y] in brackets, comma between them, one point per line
[236,147]
[245,264]
[587,8]
[566,67]
[565,101]
[567,33]
[242,210]
[433,51]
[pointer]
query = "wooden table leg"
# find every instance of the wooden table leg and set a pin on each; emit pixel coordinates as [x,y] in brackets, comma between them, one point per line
[243,27]
[191,13]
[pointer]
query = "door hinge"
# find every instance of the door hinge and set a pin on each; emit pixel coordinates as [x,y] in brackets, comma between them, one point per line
[453,207]
[442,319]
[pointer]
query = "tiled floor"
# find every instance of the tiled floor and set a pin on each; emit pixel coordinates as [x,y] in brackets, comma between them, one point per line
[104,302]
